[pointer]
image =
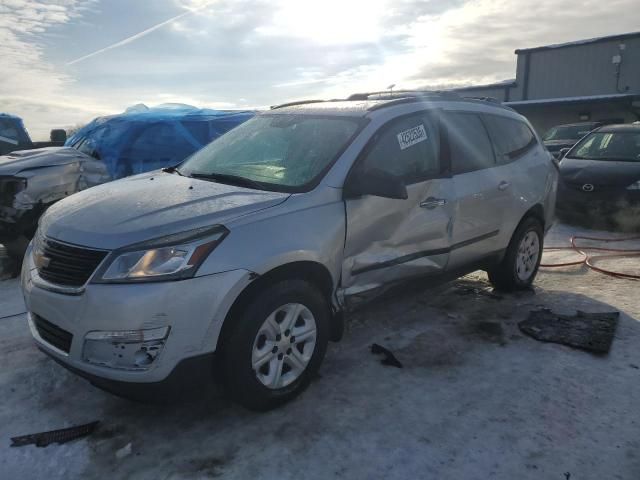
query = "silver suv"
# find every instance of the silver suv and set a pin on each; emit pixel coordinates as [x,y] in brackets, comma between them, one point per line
[246,255]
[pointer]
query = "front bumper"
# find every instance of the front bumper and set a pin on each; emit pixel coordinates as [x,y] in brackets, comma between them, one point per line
[192,310]
[601,202]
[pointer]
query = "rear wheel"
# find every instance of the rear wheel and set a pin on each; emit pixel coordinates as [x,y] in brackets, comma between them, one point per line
[520,264]
[276,345]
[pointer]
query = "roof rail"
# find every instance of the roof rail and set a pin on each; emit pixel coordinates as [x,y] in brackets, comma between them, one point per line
[416,97]
[484,99]
[387,95]
[293,104]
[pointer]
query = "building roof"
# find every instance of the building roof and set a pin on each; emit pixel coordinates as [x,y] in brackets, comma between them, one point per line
[568,100]
[609,38]
[504,83]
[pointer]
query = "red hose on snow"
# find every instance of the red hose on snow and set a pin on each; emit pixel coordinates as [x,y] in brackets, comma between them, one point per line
[588,259]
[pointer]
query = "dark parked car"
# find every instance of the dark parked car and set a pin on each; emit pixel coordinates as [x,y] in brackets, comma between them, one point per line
[566,136]
[600,178]
[106,149]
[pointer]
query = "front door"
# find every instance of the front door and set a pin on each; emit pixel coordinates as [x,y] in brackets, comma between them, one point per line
[388,239]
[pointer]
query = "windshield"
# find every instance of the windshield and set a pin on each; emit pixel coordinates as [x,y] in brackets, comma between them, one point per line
[609,146]
[567,132]
[280,152]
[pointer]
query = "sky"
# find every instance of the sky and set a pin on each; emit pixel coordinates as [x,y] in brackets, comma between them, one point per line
[64,62]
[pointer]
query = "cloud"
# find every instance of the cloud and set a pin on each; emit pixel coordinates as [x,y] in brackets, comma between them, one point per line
[26,75]
[475,42]
[262,52]
[194,7]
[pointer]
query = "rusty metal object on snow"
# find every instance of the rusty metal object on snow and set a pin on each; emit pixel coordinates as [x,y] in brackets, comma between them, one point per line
[62,435]
[588,331]
[389,358]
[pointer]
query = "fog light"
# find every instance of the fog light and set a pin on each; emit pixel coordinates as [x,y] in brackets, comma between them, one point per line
[142,358]
[125,349]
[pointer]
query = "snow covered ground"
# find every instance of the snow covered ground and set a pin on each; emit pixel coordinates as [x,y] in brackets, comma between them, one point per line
[475,400]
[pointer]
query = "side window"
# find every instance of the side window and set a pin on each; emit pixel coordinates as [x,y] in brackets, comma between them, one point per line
[469,143]
[8,132]
[408,147]
[511,137]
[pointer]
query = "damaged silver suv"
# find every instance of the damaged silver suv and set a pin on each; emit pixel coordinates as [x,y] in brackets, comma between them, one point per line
[245,255]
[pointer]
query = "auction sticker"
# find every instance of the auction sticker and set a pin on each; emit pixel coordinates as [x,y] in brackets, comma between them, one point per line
[410,137]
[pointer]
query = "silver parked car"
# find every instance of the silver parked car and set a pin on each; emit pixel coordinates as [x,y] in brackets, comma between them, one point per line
[245,255]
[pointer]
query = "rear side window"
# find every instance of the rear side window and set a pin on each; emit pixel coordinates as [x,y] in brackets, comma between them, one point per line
[469,143]
[510,137]
[408,147]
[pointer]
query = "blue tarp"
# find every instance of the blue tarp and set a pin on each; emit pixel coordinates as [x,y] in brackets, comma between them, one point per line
[143,139]
[13,135]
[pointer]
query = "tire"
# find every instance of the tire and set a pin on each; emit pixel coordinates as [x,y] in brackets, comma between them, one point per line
[518,268]
[269,322]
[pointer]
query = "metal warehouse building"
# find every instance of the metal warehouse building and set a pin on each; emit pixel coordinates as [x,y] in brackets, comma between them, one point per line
[594,79]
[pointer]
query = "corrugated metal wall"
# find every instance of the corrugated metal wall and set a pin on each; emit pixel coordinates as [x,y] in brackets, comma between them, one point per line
[573,71]
[582,70]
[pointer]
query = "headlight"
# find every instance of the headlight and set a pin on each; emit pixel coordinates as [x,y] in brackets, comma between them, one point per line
[634,186]
[173,257]
[10,187]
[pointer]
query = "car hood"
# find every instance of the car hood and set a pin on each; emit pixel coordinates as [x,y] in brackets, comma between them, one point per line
[600,172]
[16,162]
[554,145]
[147,206]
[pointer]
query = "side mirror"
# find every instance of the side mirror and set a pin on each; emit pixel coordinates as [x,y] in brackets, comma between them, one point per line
[563,152]
[377,183]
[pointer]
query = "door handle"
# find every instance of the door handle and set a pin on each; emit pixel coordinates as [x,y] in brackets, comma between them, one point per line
[504,185]
[432,203]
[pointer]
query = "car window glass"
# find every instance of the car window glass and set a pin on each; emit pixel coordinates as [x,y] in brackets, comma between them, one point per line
[469,143]
[8,132]
[281,150]
[567,132]
[408,148]
[510,137]
[609,146]
[157,146]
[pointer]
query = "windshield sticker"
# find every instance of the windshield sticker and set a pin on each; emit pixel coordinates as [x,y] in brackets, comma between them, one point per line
[410,137]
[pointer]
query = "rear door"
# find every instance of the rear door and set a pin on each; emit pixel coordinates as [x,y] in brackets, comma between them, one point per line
[389,239]
[480,188]
[523,163]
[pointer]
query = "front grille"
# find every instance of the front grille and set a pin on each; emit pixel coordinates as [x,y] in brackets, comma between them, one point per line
[66,265]
[52,334]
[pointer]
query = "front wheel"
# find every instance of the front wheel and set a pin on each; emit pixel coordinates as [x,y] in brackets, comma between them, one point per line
[276,345]
[520,264]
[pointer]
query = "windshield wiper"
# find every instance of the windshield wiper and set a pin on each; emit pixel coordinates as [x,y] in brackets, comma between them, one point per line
[173,169]
[229,179]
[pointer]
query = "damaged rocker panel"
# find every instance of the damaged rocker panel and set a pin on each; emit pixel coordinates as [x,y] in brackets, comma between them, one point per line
[424,253]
